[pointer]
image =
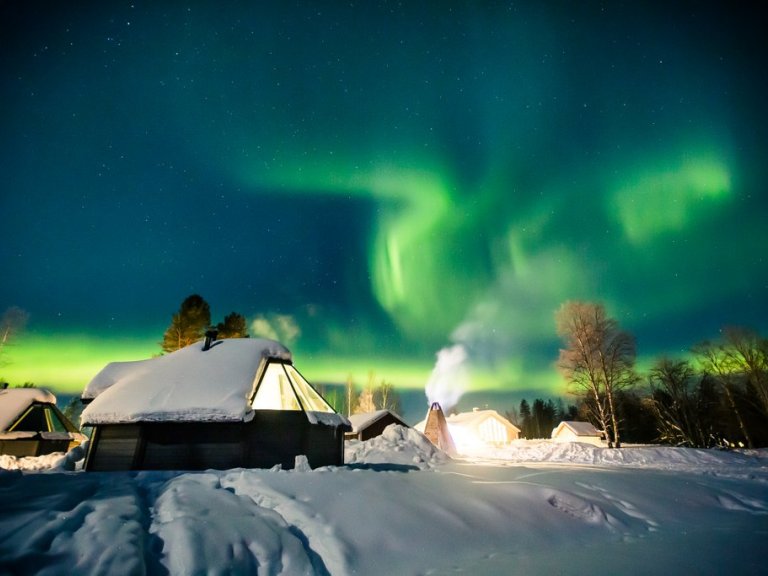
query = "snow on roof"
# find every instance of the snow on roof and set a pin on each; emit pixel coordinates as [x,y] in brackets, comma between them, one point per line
[14,401]
[473,418]
[578,428]
[476,416]
[361,421]
[188,385]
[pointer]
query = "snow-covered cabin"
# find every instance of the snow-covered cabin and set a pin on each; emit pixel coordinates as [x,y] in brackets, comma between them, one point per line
[32,425]
[481,427]
[371,424]
[478,428]
[239,402]
[572,431]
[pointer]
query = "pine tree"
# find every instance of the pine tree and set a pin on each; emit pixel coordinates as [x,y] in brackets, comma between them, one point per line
[525,418]
[188,325]
[234,326]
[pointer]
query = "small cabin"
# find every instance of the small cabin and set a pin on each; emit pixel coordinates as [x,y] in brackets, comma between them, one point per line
[224,404]
[481,427]
[478,429]
[32,425]
[371,424]
[572,431]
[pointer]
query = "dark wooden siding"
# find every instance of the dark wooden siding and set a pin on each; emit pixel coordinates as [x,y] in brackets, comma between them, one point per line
[32,446]
[113,447]
[272,437]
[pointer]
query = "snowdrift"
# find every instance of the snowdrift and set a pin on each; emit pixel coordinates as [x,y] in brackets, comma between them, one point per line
[398,507]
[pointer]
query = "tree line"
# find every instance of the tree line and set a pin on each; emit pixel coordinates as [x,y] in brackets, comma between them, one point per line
[374,396]
[717,397]
[537,420]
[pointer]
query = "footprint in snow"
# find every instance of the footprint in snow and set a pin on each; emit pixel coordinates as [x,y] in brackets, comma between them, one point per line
[623,505]
[741,503]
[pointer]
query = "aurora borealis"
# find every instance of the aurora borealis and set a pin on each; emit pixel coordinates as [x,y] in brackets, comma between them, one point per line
[394,178]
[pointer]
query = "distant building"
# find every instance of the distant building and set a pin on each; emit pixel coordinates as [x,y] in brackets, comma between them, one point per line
[571,431]
[32,425]
[371,424]
[482,427]
[232,403]
[477,429]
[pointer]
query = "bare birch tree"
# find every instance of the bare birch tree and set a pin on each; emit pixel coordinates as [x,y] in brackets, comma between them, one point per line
[747,352]
[739,365]
[720,367]
[12,323]
[597,361]
[674,403]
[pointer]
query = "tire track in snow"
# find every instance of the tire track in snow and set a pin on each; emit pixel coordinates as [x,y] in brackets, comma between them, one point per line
[623,506]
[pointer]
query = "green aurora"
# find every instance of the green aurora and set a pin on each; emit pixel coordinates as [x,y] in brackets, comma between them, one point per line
[393,179]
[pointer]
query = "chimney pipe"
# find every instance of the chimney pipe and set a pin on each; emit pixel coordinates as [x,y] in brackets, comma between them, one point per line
[210,337]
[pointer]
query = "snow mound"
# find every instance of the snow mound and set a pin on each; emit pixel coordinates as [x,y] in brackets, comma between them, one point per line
[47,462]
[655,457]
[397,445]
[202,525]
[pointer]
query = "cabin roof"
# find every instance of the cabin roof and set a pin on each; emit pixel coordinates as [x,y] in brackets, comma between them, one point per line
[15,401]
[578,428]
[189,385]
[362,421]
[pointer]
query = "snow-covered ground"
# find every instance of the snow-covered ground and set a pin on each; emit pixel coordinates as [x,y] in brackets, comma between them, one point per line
[398,507]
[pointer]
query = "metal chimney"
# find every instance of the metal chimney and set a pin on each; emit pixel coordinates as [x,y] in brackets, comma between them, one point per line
[210,337]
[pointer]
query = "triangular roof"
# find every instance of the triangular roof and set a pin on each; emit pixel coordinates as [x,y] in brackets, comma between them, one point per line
[189,385]
[436,429]
[578,428]
[15,401]
[362,421]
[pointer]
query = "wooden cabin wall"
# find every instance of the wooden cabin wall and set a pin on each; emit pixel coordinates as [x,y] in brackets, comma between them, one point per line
[272,437]
[113,447]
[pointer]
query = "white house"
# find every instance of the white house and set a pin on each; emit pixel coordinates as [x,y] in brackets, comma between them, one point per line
[478,429]
[571,431]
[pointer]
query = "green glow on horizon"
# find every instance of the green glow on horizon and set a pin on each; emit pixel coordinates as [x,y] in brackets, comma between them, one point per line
[410,374]
[670,200]
[66,362]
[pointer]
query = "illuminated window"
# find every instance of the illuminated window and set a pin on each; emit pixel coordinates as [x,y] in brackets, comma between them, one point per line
[309,397]
[274,391]
[283,388]
[493,431]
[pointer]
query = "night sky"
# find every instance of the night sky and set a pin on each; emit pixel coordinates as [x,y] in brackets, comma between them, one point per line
[389,179]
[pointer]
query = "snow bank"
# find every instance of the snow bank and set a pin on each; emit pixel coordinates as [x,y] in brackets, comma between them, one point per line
[397,445]
[654,457]
[47,462]
[400,507]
